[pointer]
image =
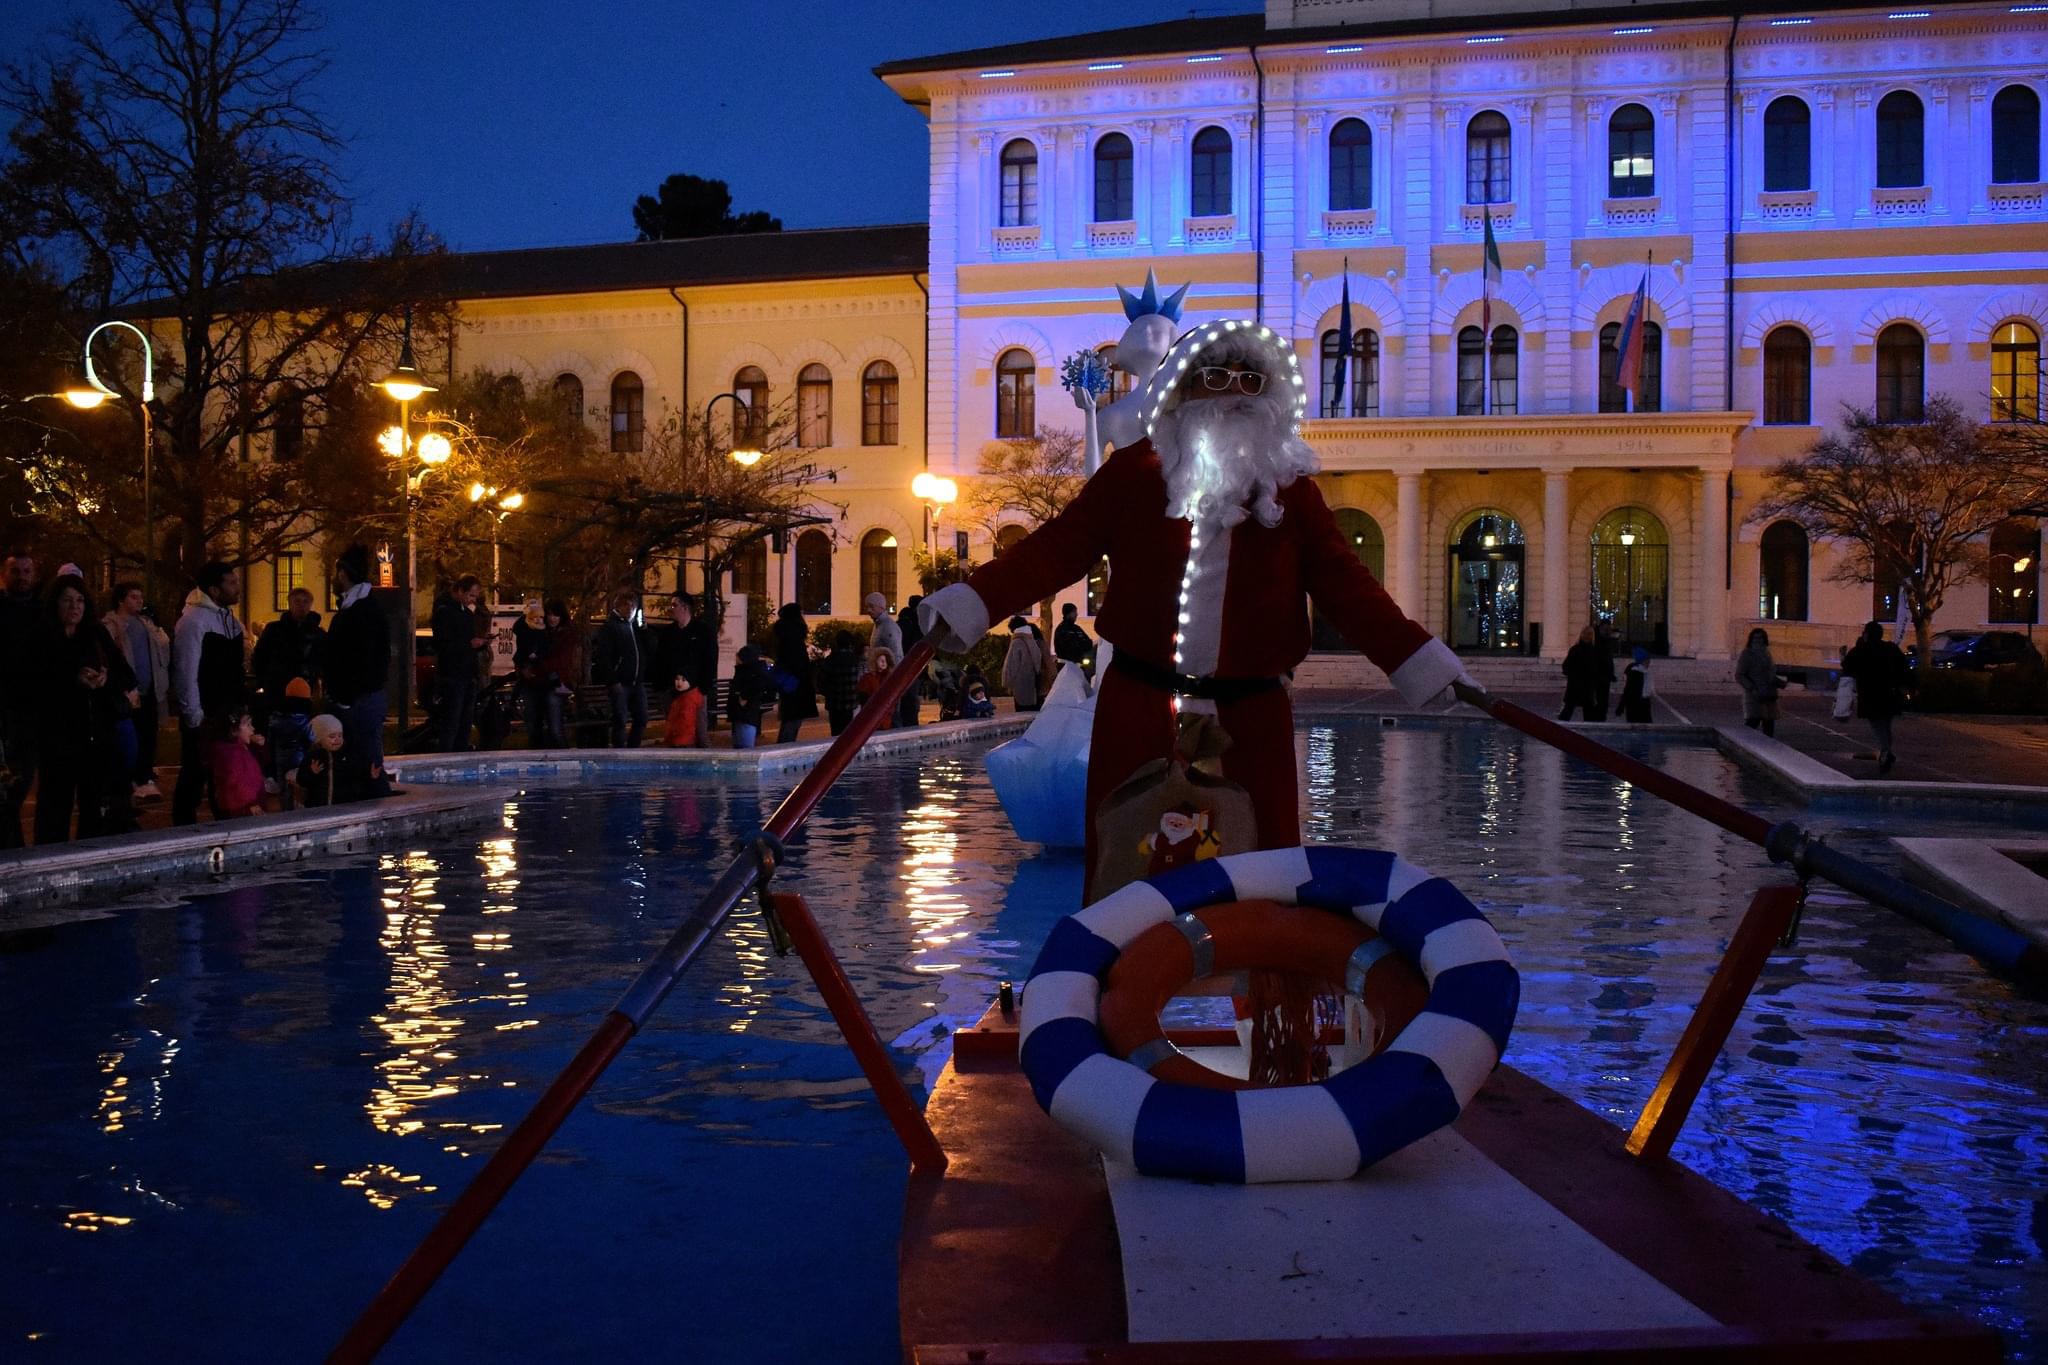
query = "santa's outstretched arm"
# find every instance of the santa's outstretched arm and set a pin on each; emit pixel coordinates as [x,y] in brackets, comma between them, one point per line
[1420,666]
[1058,553]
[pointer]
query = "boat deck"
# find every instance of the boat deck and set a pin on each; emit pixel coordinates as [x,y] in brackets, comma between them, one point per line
[1525,1232]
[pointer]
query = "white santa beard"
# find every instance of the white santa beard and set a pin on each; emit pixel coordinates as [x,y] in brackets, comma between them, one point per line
[1229,456]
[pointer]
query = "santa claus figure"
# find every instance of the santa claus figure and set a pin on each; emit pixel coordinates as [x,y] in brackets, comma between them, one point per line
[1183,837]
[1217,543]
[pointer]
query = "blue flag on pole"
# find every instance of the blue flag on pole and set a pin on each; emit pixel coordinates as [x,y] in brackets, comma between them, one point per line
[1345,349]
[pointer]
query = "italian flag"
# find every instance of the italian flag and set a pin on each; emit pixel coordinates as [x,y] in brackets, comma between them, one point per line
[1489,280]
[1629,346]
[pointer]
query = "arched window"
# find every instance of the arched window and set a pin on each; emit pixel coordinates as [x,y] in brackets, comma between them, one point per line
[1474,366]
[752,387]
[2015,373]
[2014,573]
[1631,153]
[1008,538]
[1366,540]
[878,565]
[1361,392]
[1121,382]
[1901,371]
[1901,148]
[1888,560]
[2015,136]
[1016,395]
[878,404]
[813,406]
[288,424]
[814,573]
[1350,165]
[1788,378]
[1781,580]
[629,413]
[569,393]
[508,390]
[750,571]
[1487,148]
[1020,184]
[1788,144]
[1649,395]
[1113,179]
[1209,174]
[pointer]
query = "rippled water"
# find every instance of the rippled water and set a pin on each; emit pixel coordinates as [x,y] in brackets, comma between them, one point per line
[224,1121]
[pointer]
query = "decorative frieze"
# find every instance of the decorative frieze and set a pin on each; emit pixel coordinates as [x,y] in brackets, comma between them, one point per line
[1113,236]
[1787,205]
[1219,230]
[1346,223]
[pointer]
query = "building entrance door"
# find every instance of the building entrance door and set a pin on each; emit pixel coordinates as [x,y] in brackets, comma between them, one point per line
[1631,587]
[1486,585]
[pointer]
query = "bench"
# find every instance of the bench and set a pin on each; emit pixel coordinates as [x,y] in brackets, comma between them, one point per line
[587,722]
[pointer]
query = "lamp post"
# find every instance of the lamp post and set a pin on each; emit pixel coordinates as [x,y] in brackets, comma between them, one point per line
[502,506]
[937,493]
[745,452]
[90,395]
[404,384]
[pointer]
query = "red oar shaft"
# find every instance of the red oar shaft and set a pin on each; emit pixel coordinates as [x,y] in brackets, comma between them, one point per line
[396,1300]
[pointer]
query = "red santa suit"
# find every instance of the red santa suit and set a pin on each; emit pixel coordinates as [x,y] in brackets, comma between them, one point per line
[1247,623]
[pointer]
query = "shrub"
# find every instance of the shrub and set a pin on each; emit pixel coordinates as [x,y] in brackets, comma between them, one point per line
[821,634]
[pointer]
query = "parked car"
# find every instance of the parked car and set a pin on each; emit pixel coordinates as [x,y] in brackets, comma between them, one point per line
[1993,649]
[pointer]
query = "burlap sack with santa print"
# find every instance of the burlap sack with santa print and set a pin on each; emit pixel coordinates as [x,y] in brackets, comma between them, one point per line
[1172,812]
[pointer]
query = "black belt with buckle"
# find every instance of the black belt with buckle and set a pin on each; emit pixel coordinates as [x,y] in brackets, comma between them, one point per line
[1188,685]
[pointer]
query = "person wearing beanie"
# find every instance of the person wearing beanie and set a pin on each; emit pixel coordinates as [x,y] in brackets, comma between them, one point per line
[323,778]
[888,635]
[289,733]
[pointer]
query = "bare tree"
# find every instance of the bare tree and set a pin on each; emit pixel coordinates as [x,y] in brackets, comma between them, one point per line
[1029,481]
[1911,501]
[171,168]
[681,496]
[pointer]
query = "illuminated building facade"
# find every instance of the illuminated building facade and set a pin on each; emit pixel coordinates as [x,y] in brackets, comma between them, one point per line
[1824,206]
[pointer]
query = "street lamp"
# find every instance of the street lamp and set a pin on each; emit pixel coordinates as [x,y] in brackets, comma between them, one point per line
[502,507]
[90,395]
[746,452]
[937,493]
[404,384]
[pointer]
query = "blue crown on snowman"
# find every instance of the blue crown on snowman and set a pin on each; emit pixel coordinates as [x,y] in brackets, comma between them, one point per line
[1144,305]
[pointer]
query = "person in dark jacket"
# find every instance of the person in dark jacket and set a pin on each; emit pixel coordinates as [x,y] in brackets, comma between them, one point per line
[87,687]
[1879,668]
[1583,671]
[1605,641]
[619,661]
[747,697]
[913,631]
[326,777]
[840,676]
[290,647]
[1070,643]
[206,679]
[461,635]
[21,626]
[687,653]
[798,701]
[359,665]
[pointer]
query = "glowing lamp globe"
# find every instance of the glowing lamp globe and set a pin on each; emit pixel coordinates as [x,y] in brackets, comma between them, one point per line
[391,441]
[434,449]
[512,502]
[84,397]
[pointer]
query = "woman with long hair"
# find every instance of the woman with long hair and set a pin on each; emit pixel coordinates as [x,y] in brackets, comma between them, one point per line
[87,687]
[1758,676]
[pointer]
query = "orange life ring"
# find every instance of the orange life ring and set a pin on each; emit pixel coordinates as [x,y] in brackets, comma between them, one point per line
[1244,935]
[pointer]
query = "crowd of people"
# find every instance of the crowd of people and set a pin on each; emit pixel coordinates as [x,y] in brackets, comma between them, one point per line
[85,696]
[299,719]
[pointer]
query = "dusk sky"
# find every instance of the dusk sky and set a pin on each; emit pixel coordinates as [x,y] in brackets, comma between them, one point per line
[520,123]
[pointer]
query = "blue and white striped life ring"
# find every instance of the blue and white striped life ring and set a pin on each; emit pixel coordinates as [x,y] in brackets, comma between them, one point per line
[1326,1131]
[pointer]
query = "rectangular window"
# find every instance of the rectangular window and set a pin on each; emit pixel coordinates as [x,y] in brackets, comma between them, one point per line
[286,574]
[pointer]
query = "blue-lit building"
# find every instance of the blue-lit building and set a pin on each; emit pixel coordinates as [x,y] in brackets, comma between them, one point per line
[1825,205]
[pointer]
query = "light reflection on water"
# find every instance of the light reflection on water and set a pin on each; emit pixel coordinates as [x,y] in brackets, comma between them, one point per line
[350,1041]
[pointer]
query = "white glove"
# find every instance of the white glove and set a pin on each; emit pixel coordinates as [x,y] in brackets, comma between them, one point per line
[1448,698]
[953,618]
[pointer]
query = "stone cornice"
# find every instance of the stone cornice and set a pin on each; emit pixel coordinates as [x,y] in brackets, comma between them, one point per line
[1658,440]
